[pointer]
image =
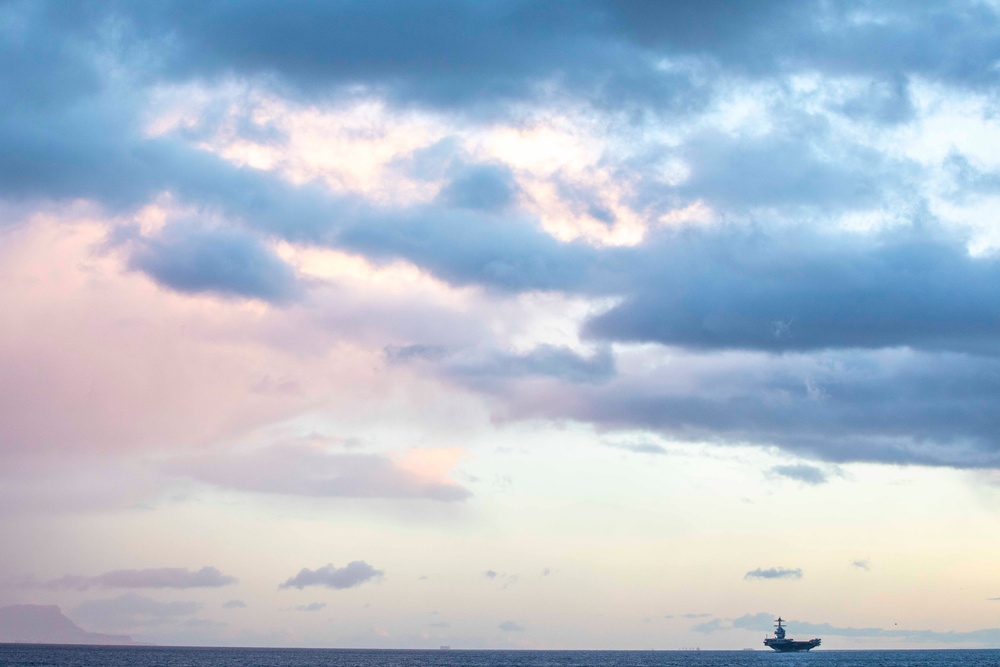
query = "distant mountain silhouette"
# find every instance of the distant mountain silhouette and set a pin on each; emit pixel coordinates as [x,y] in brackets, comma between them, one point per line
[45,624]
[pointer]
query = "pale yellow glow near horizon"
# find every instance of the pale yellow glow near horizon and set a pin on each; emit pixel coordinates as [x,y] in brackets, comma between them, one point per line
[593,557]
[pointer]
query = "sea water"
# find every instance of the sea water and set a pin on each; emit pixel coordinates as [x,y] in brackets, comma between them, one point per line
[37,655]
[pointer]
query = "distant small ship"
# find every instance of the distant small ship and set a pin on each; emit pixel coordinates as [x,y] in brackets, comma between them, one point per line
[779,643]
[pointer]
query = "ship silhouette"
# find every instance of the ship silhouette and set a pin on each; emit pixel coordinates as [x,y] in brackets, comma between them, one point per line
[784,644]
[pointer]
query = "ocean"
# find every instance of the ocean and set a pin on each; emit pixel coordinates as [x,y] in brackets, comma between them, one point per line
[37,655]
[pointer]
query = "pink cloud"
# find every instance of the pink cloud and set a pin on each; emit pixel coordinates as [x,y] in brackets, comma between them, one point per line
[96,360]
[303,470]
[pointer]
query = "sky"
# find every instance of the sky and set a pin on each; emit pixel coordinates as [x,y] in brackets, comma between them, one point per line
[583,325]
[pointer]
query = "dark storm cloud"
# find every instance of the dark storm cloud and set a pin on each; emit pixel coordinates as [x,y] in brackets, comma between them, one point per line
[806,291]
[774,573]
[351,575]
[801,472]
[190,258]
[164,577]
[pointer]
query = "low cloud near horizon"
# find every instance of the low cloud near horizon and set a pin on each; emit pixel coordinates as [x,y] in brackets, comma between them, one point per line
[764,621]
[511,626]
[774,573]
[164,577]
[801,472]
[130,611]
[351,575]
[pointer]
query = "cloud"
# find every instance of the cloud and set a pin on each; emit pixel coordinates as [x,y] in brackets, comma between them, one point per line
[785,169]
[985,636]
[507,580]
[312,606]
[638,447]
[709,627]
[165,577]
[862,564]
[511,626]
[339,42]
[761,621]
[775,319]
[838,407]
[541,361]
[192,258]
[709,186]
[351,575]
[774,573]
[481,187]
[764,622]
[131,611]
[754,290]
[464,247]
[596,47]
[234,604]
[801,472]
[305,470]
